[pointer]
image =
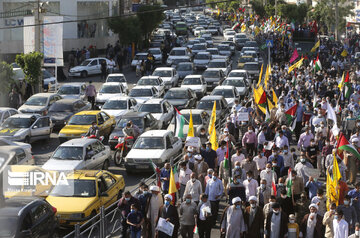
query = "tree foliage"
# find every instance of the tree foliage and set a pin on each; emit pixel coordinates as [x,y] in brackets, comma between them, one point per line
[31,65]
[128,29]
[293,12]
[150,16]
[258,7]
[6,77]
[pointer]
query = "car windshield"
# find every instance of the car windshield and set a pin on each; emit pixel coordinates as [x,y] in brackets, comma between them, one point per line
[177,52]
[181,25]
[196,119]
[191,81]
[162,73]
[116,79]
[140,57]
[148,81]
[69,90]
[224,47]
[82,120]
[61,107]
[17,123]
[199,47]
[230,33]
[68,153]
[176,94]
[85,62]
[8,226]
[115,104]
[245,59]
[184,67]
[251,67]
[226,93]
[136,120]
[137,92]
[149,143]
[237,74]
[234,82]
[211,74]
[155,52]
[208,105]
[152,108]
[75,188]
[36,101]
[202,56]
[110,89]
[216,64]
[213,52]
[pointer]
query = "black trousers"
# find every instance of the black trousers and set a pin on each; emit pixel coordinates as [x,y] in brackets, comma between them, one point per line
[297,130]
[204,228]
[214,211]
[250,149]
[91,99]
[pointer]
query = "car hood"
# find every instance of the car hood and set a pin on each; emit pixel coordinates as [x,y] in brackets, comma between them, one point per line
[193,87]
[157,116]
[75,129]
[70,204]
[62,165]
[141,100]
[200,61]
[29,108]
[241,90]
[177,102]
[106,96]
[77,68]
[115,112]
[70,96]
[165,79]
[230,100]
[59,115]
[145,154]
[172,57]
[11,131]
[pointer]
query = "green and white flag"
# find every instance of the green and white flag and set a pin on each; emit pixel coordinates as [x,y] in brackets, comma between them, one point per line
[179,124]
[317,66]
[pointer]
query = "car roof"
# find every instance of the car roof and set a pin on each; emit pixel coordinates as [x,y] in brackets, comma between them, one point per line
[252,63]
[150,77]
[224,87]
[164,68]
[223,44]
[134,114]
[203,53]
[212,97]
[142,87]
[111,84]
[213,69]
[120,98]
[178,89]
[193,111]
[218,60]
[154,101]
[94,112]
[117,74]
[14,205]
[238,70]
[72,84]
[44,94]
[157,133]
[26,115]
[142,53]
[193,76]
[156,48]
[67,101]
[7,149]
[6,109]
[179,48]
[78,142]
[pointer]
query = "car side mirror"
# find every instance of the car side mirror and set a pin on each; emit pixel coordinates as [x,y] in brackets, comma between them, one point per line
[104,194]
[35,127]
[26,233]
[89,155]
[169,147]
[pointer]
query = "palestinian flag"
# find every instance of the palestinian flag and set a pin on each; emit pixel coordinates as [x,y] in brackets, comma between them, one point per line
[262,101]
[347,86]
[291,113]
[195,231]
[156,171]
[273,182]
[343,144]
[317,64]
[179,124]
[176,177]
[289,184]
[226,162]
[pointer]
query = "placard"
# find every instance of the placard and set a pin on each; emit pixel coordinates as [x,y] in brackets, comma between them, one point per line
[243,116]
[315,173]
[193,141]
[165,226]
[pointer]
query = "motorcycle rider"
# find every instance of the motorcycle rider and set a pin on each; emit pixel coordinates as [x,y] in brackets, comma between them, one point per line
[93,130]
[128,130]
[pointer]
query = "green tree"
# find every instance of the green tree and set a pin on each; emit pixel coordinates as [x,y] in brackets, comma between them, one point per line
[293,12]
[6,77]
[150,16]
[128,29]
[31,65]
[258,7]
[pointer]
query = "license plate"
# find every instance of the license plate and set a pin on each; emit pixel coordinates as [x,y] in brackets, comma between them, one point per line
[142,166]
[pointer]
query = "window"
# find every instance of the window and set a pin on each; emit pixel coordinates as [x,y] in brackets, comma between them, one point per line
[104,116]
[97,147]
[6,114]
[38,212]
[20,155]
[93,63]
[26,223]
[172,138]
[101,185]
[100,119]
[168,141]
[109,180]
[42,122]
[13,112]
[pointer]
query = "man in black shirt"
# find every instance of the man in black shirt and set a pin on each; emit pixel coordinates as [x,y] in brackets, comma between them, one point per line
[311,152]
[209,155]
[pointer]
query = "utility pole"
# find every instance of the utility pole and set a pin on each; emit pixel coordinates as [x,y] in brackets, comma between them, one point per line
[275,8]
[336,20]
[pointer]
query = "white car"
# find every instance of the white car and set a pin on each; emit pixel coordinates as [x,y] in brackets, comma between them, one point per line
[201,60]
[229,35]
[88,67]
[117,78]
[72,91]
[119,105]
[79,154]
[109,90]
[157,146]
[196,83]
[239,73]
[220,64]
[228,92]
[25,146]
[198,30]
[143,93]
[178,53]
[50,82]
[155,81]
[201,47]
[137,59]
[161,110]
[224,49]
[39,103]
[6,112]
[242,86]
[156,52]
[168,75]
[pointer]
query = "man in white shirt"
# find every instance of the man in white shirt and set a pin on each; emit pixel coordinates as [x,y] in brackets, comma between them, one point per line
[340,226]
[238,156]
[260,161]
[267,174]
[184,177]
[281,140]
[194,188]
[250,185]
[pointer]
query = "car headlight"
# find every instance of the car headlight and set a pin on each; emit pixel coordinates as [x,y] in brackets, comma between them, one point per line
[77,215]
[129,160]
[62,135]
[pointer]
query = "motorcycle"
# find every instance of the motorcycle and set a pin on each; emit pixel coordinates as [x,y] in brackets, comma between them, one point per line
[101,138]
[122,149]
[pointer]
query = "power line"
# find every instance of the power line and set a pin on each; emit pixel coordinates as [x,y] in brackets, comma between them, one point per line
[113,17]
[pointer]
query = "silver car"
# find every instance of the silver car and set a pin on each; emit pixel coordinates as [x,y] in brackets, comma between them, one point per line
[184,69]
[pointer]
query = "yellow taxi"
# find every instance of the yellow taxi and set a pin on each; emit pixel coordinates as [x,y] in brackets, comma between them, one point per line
[38,189]
[84,193]
[243,60]
[79,124]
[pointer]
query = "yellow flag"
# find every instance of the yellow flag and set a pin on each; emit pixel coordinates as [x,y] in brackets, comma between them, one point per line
[257,30]
[329,191]
[267,75]
[260,76]
[335,180]
[191,127]
[296,65]
[258,92]
[243,28]
[213,140]
[218,12]
[270,105]
[275,98]
[315,46]
[341,84]
[282,41]
[263,109]
[344,53]
[172,186]
[212,119]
